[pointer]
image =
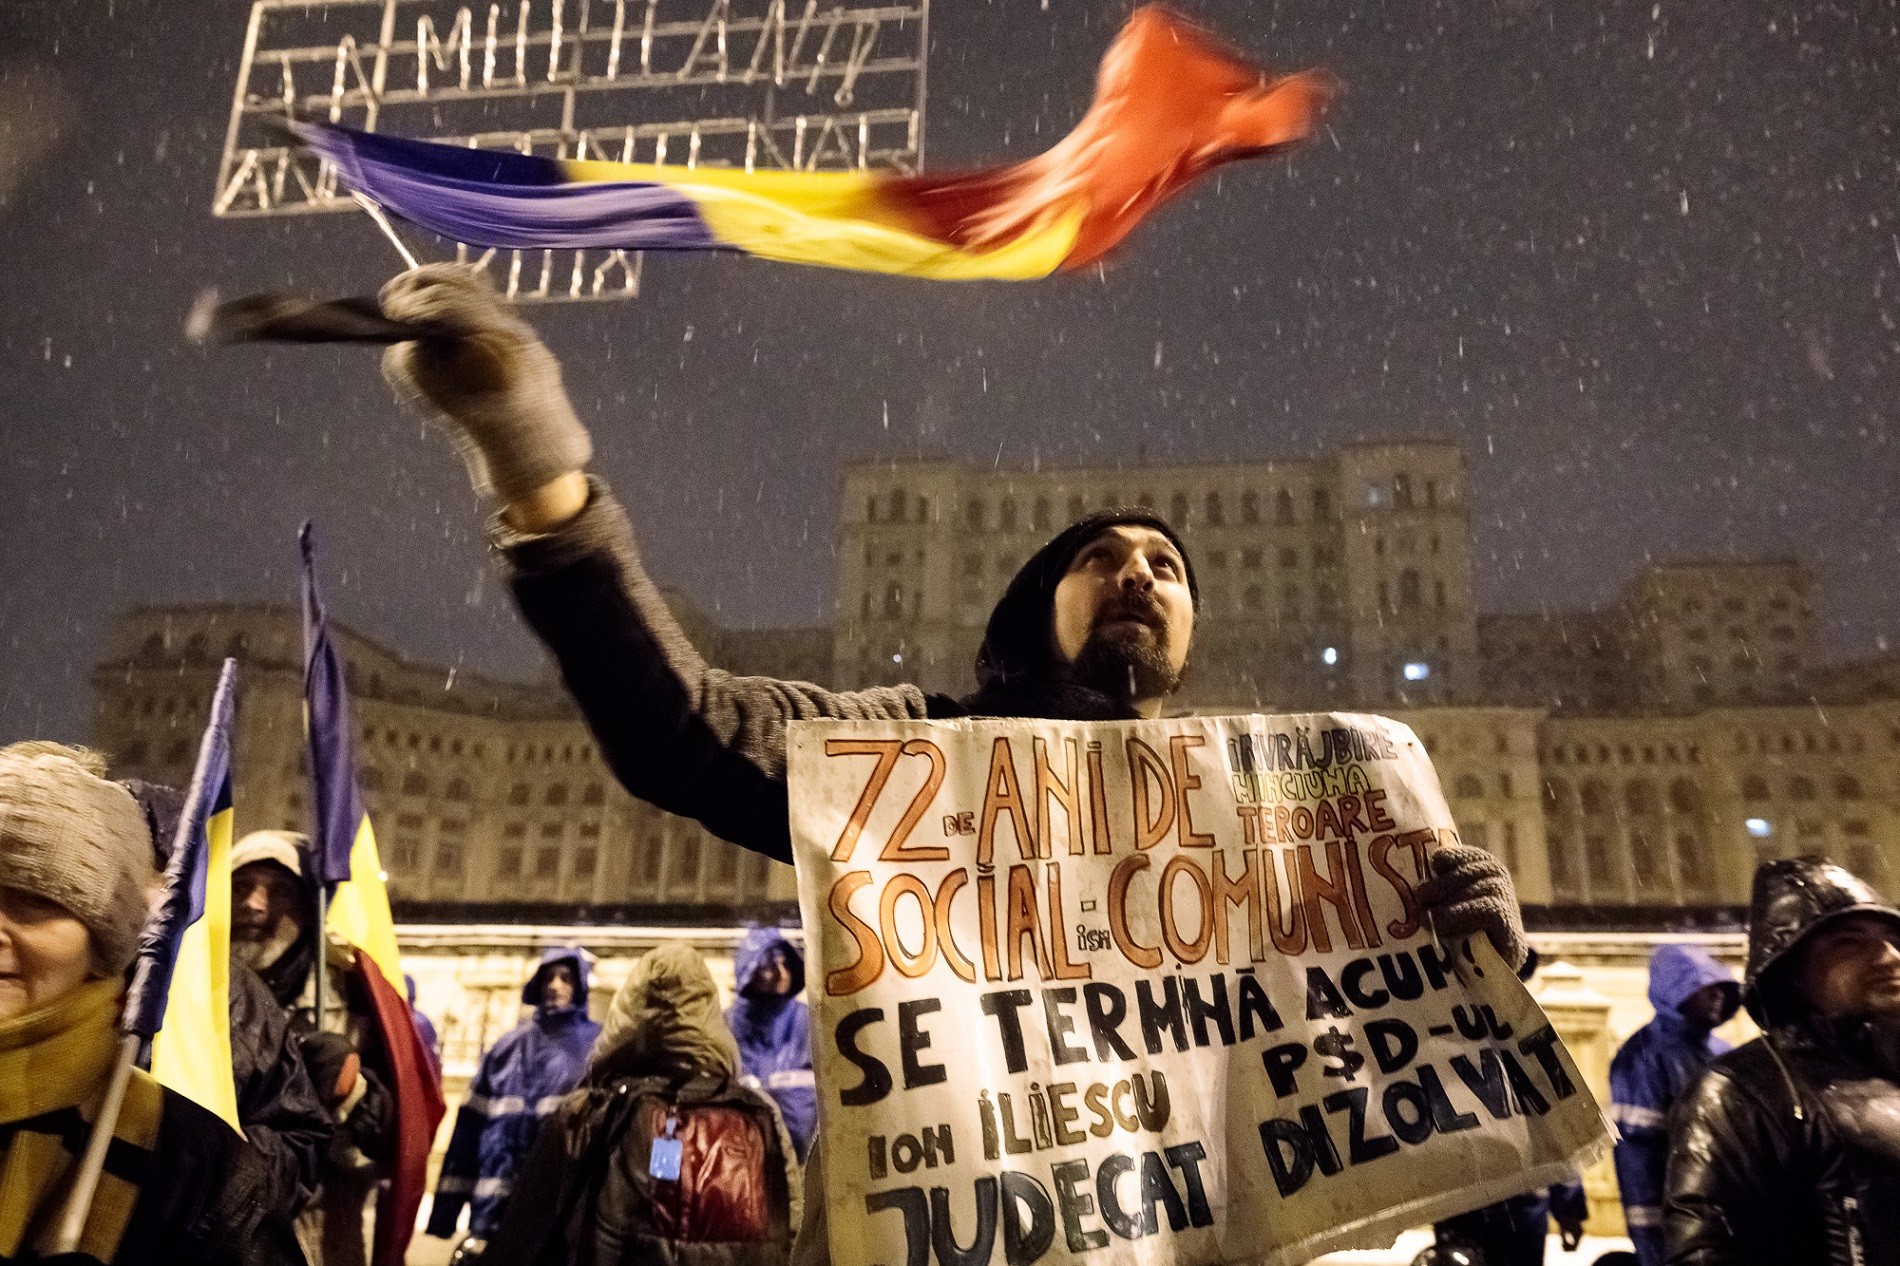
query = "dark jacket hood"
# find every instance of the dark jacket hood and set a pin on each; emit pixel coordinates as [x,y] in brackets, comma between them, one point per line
[665,1022]
[751,955]
[1676,972]
[1793,898]
[575,957]
[1017,673]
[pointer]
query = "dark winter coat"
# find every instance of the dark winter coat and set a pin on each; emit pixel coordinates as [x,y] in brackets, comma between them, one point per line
[589,1197]
[178,1184]
[705,744]
[521,1081]
[1787,1151]
[277,1104]
[774,1036]
[1650,1073]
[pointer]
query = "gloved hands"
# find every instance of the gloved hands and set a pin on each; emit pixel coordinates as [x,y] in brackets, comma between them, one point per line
[496,389]
[1469,891]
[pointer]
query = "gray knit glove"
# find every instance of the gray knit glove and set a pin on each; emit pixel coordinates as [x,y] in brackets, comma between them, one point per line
[496,389]
[1469,892]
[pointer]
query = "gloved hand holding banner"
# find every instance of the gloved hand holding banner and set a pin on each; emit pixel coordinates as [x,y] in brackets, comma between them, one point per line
[1153,991]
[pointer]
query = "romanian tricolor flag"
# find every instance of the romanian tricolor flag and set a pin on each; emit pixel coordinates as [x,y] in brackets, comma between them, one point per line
[181,988]
[1171,104]
[344,849]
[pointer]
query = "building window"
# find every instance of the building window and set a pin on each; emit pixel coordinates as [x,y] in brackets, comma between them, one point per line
[459,789]
[1216,515]
[556,795]
[1283,508]
[508,862]
[547,863]
[1289,558]
[586,860]
[1402,491]
[448,858]
[1322,504]
[1409,596]
[518,794]
[553,830]
[1847,787]
[1800,788]
[1178,511]
[973,515]
[897,505]
[1006,515]
[1754,787]
[685,869]
[1039,516]
[595,794]
[726,871]
[1469,787]
[651,856]
[1250,508]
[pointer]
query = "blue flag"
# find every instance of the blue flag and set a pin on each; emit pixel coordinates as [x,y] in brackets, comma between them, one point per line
[338,809]
[183,905]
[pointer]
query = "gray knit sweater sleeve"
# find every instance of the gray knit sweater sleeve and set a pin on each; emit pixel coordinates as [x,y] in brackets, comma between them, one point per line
[678,733]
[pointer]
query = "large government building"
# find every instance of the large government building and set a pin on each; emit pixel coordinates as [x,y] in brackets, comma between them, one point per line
[1624,761]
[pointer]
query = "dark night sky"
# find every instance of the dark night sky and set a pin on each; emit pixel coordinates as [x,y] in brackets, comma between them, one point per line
[1639,259]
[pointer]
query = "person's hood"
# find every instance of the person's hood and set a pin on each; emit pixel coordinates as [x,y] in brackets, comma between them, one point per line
[577,958]
[1793,899]
[1677,972]
[665,1022]
[1017,672]
[286,848]
[751,954]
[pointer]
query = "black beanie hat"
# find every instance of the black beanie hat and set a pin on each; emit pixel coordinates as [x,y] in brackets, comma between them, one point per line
[1016,643]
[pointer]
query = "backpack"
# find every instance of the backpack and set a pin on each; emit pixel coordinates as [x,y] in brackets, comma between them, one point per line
[652,1172]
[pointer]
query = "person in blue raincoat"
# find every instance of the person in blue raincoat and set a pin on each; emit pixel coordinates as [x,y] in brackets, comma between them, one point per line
[522,1079]
[1692,994]
[773,1026]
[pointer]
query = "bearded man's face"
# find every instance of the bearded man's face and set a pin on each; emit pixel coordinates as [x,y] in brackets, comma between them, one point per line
[1124,614]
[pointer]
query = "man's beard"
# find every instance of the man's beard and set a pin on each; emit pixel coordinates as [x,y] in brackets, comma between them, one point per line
[1126,660]
[258,952]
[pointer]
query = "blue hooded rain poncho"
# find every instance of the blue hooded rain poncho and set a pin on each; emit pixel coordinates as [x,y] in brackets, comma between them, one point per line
[1655,1067]
[522,1079]
[775,1035]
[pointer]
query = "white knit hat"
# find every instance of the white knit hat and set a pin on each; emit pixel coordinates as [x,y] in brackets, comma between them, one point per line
[71,837]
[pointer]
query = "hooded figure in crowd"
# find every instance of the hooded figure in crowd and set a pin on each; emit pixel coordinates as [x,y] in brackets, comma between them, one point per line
[1693,995]
[364,1058]
[1095,626]
[277,1104]
[663,1154]
[179,1185]
[773,1026]
[1787,1151]
[521,1080]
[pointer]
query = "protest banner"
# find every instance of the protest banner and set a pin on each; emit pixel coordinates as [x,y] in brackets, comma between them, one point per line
[1153,991]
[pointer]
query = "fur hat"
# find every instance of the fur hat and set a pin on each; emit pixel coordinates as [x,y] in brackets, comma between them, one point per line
[70,836]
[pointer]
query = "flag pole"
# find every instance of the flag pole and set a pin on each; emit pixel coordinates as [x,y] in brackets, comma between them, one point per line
[145,1011]
[72,1221]
[323,944]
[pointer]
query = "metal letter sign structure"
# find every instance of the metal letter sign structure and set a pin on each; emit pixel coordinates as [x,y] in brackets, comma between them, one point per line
[755,84]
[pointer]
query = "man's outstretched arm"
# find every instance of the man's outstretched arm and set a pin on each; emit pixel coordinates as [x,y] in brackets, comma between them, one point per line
[678,733]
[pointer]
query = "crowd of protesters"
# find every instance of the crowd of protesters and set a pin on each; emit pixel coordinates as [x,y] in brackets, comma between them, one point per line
[678,1132]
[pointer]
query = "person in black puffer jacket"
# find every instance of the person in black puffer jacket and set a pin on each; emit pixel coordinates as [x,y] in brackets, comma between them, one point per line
[1787,1151]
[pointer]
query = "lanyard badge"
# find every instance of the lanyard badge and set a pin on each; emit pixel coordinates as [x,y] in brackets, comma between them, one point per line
[663,1162]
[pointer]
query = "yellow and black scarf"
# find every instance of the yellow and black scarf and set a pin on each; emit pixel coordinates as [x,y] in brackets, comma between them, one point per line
[54,1066]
